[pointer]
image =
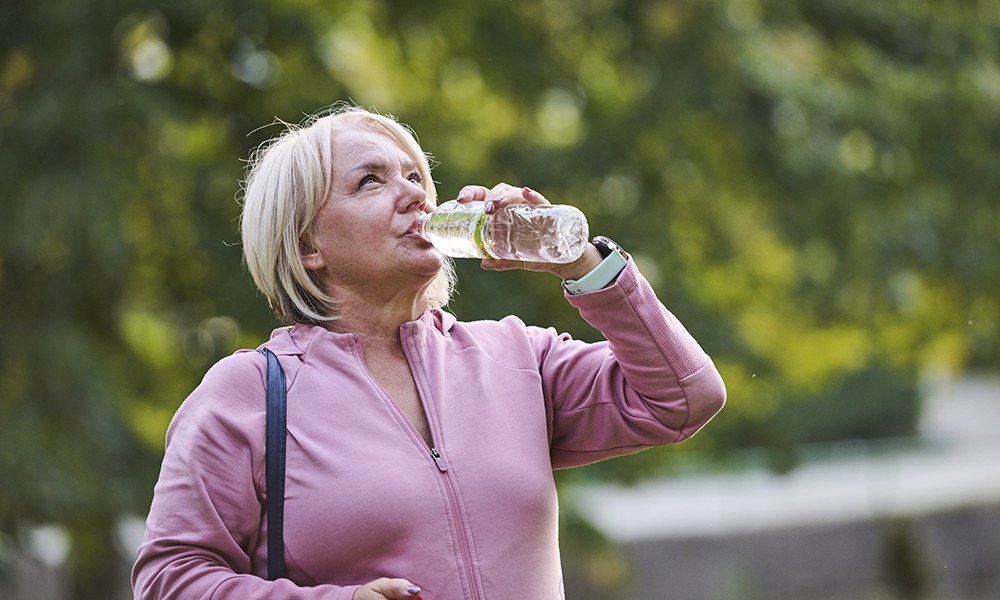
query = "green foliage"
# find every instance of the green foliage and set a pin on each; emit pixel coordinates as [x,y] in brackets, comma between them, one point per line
[904,561]
[809,184]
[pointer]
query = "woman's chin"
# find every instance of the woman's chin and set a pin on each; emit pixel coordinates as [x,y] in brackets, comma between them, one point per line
[425,262]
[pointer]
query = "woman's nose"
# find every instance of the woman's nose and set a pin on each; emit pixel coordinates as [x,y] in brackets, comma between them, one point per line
[412,197]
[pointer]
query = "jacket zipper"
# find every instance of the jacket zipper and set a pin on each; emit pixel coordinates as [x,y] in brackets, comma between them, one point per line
[437,460]
[442,465]
[463,539]
[454,505]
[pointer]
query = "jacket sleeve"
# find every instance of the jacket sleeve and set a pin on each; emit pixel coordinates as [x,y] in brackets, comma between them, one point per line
[207,514]
[648,385]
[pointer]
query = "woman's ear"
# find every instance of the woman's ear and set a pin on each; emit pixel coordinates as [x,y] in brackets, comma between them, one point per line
[312,259]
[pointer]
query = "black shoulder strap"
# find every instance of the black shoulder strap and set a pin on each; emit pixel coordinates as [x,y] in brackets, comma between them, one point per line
[275,465]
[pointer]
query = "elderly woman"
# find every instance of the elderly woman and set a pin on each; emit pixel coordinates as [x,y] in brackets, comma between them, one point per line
[420,449]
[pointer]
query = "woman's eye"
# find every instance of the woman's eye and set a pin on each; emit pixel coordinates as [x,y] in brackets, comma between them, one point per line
[366,180]
[416,178]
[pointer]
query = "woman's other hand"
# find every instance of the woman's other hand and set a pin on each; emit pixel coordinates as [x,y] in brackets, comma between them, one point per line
[387,589]
[502,195]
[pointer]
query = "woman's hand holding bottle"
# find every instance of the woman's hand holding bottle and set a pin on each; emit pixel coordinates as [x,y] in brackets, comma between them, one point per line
[503,195]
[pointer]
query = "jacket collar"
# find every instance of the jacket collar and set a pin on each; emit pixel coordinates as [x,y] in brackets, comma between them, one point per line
[295,340]
[439,319]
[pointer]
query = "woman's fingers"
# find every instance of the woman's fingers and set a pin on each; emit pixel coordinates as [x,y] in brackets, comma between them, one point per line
[500,264]
[503,195]
[387,589]
[532,197]
[500,195]
[472,193]
[585,264]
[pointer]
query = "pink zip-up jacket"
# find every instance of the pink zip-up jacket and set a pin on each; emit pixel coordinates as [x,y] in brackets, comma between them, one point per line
[472,518]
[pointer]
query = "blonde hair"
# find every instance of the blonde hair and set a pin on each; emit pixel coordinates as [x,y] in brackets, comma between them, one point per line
[288,180]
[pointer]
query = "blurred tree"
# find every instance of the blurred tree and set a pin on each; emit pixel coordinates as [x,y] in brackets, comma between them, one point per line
[810,185]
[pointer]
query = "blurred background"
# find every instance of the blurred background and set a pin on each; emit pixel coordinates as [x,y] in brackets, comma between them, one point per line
[812,186]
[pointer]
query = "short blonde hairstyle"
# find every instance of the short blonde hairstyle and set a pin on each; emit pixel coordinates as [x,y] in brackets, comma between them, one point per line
[288,180]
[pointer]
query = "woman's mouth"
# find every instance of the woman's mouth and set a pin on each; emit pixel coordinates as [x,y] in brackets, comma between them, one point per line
[416,230]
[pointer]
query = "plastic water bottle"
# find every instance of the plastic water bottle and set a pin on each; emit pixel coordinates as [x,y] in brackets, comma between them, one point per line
[553,233]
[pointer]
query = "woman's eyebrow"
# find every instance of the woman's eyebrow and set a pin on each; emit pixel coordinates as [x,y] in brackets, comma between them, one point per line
[370,166]
[380,167]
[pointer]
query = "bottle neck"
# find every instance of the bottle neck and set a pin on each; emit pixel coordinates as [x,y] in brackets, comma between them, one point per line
[420,225]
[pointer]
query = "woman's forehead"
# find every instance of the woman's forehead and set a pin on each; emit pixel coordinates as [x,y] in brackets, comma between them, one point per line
[359,145]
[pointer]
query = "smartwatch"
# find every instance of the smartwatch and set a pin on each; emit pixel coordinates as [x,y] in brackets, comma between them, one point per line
[614,263]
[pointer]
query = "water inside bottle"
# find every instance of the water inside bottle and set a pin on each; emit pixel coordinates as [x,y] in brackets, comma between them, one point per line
[556,234]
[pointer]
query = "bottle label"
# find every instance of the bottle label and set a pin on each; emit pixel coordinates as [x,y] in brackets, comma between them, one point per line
[478,236]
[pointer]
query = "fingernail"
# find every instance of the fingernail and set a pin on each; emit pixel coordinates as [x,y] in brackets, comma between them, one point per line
[413,590]
[490,206]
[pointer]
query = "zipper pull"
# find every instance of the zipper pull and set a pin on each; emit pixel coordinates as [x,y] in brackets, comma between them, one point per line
[439,460]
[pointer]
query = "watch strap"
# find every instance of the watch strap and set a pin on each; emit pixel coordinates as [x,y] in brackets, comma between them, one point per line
[600,276]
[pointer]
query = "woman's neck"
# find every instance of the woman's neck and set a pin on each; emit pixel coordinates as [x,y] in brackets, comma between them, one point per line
[373,321]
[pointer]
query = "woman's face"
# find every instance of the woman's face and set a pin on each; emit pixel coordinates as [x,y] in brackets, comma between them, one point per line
[362,236]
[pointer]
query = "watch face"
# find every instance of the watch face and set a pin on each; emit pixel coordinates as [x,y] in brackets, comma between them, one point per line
[605,246]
